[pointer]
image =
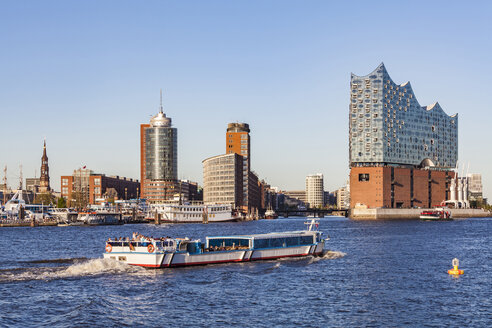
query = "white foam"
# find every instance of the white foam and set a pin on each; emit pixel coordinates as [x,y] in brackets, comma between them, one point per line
[329,255]
[89,268]
[97,266]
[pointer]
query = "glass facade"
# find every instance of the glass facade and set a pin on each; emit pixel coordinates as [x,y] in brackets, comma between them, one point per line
[388,126]
[161,153]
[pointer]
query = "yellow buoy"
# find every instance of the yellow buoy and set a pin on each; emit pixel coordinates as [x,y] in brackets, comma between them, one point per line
[455,270]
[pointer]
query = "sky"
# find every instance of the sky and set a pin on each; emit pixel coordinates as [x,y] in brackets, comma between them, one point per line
[85,75]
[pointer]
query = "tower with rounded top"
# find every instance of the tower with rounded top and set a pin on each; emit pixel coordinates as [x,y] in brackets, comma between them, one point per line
[159,157]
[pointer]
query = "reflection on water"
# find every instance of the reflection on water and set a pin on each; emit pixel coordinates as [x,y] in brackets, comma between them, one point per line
[373,274]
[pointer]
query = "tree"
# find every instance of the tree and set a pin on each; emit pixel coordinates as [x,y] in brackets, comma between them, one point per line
[61,203]
[44,198]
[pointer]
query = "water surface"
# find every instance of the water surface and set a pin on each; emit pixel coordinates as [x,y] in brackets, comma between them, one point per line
[391,273]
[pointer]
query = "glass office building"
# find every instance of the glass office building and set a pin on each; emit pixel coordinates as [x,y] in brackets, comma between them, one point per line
[388,126]
[158,159]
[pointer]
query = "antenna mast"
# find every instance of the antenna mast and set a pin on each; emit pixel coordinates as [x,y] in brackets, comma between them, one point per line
[20,177]
[161,102]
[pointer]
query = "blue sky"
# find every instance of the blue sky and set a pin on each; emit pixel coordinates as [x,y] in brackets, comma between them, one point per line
[86,74]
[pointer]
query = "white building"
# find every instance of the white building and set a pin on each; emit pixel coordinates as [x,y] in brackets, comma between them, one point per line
[223,180]
[314,190]
[343,197]
[475,191]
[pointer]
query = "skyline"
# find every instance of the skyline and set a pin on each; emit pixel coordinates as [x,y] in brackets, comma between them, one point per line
[282,67]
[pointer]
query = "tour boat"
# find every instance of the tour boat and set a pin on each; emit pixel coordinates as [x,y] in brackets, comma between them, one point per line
[64,214]
[173,252]
[437,214]
[270,214]
[189,213]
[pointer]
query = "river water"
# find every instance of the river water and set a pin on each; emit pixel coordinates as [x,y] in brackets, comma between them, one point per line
[375,274]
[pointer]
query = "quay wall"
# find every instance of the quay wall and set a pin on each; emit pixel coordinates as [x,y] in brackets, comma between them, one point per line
[411,213]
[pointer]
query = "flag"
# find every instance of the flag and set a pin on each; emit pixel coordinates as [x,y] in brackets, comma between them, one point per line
[84,166]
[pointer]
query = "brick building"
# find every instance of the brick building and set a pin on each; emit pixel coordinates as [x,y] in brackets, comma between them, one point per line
[246,190]
[86,187]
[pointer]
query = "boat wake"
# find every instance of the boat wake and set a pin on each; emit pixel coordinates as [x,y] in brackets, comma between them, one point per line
[66,261]
[330,255]
[93,267]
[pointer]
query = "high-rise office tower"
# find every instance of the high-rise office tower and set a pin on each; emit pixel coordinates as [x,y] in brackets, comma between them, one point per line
[401,153]
[223,180]
[158,158]
[238,141]
[315,190]
[44,180]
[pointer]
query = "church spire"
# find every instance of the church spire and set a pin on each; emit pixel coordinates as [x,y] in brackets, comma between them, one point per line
[44,180]
[44,151]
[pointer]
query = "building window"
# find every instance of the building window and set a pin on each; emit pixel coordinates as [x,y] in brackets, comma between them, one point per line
[64,182]
[97,181]
[363,177]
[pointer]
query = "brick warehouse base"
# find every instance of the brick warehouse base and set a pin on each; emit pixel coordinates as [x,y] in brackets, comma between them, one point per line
[411,213]
[398,187]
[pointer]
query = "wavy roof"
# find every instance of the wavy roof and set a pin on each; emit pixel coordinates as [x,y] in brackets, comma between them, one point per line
[382,69]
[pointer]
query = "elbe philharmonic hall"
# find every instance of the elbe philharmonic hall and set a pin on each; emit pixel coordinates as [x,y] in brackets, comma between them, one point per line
[402,155]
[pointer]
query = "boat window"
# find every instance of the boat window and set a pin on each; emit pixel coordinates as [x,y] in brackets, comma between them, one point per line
[292,241]
[277,242]
[262,243]
[306,240]
[228,242]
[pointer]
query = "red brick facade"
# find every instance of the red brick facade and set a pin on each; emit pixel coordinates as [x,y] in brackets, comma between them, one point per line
[397,187]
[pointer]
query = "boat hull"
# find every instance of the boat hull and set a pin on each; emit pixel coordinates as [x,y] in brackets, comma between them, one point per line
[433,218]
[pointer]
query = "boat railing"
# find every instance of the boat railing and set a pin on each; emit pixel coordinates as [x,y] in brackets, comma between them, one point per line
[313,223]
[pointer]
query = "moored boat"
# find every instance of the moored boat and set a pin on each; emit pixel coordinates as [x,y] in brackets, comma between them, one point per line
[270,214]
[190,213]
[173,252]
[100,218]
[437,214]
